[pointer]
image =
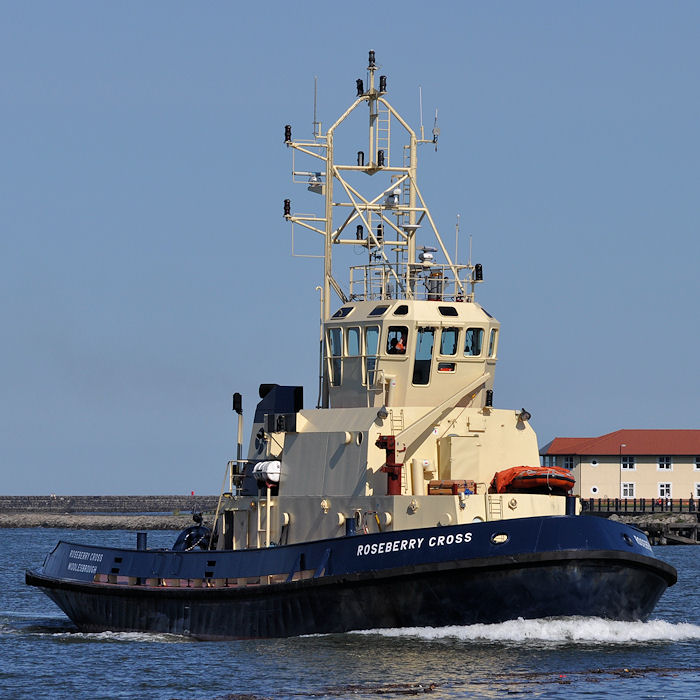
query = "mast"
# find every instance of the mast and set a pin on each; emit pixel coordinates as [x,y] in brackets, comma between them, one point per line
[383,218]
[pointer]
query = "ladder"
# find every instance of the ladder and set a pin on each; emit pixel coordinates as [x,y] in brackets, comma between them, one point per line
[384,134]
[495,507]
[397,422]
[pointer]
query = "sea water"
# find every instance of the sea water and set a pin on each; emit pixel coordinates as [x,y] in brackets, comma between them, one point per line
[42,656]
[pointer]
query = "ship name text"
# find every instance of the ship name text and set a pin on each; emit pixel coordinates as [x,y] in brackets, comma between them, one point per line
[401,545]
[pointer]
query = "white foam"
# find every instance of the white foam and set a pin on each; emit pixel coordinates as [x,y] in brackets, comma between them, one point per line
[582,630]
[118,636]
[74,636]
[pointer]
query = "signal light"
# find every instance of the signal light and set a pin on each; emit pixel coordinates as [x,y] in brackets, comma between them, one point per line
[380,157]
[382,83]
[287,133]
[360,87]
[287,207]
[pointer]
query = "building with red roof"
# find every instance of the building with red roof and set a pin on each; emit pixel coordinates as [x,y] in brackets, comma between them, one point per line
[631,463]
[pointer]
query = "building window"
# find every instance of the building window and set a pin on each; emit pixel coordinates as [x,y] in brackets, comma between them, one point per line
[665,490]
[665,463]
[627,489]
[568,462]
[549,460]
[628,462]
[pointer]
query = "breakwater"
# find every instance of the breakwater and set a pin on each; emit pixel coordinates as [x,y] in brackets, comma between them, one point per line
[104,512]
[106,504]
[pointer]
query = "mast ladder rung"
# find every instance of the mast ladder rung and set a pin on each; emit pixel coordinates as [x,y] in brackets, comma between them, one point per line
[384,133]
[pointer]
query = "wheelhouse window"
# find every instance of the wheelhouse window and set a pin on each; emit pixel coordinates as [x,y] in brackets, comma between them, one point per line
[627,462]
[401,310]
[378,311]
[335,346]
[448,341]
[697,463]
[448,311]
[396,340]
[493,342]
[665,463]
[353,342]
[342,312]
[697,490]
[665,490]
[473,342]
[424,355]
[627,489]
[371,350]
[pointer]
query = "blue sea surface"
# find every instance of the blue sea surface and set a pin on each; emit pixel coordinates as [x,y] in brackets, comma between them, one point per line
[42,656]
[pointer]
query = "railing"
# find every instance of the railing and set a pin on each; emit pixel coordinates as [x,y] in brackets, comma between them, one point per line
[403,281]
[640,505]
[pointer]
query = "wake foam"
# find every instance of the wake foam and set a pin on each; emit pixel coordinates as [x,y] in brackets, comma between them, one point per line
[63,630]
[582,630]
[147,637]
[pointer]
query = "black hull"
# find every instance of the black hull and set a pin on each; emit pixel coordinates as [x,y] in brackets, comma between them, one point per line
[604,584]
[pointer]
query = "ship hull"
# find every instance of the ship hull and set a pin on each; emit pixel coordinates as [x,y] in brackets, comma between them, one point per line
[608,583]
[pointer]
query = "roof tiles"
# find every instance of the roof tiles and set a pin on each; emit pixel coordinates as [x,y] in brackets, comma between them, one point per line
[630,442]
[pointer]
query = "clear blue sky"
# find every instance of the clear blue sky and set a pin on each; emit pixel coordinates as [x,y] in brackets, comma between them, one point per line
[145,272]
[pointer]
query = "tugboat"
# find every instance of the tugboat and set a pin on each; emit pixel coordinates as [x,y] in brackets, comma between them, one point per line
[382,507]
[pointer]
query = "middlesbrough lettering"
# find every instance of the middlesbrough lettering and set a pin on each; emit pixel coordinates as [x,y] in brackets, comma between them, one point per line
[406,543]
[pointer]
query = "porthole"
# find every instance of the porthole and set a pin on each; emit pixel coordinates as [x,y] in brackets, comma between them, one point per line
[499,538]
[358,438]
[594,490]
[627,539]
[594,462]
